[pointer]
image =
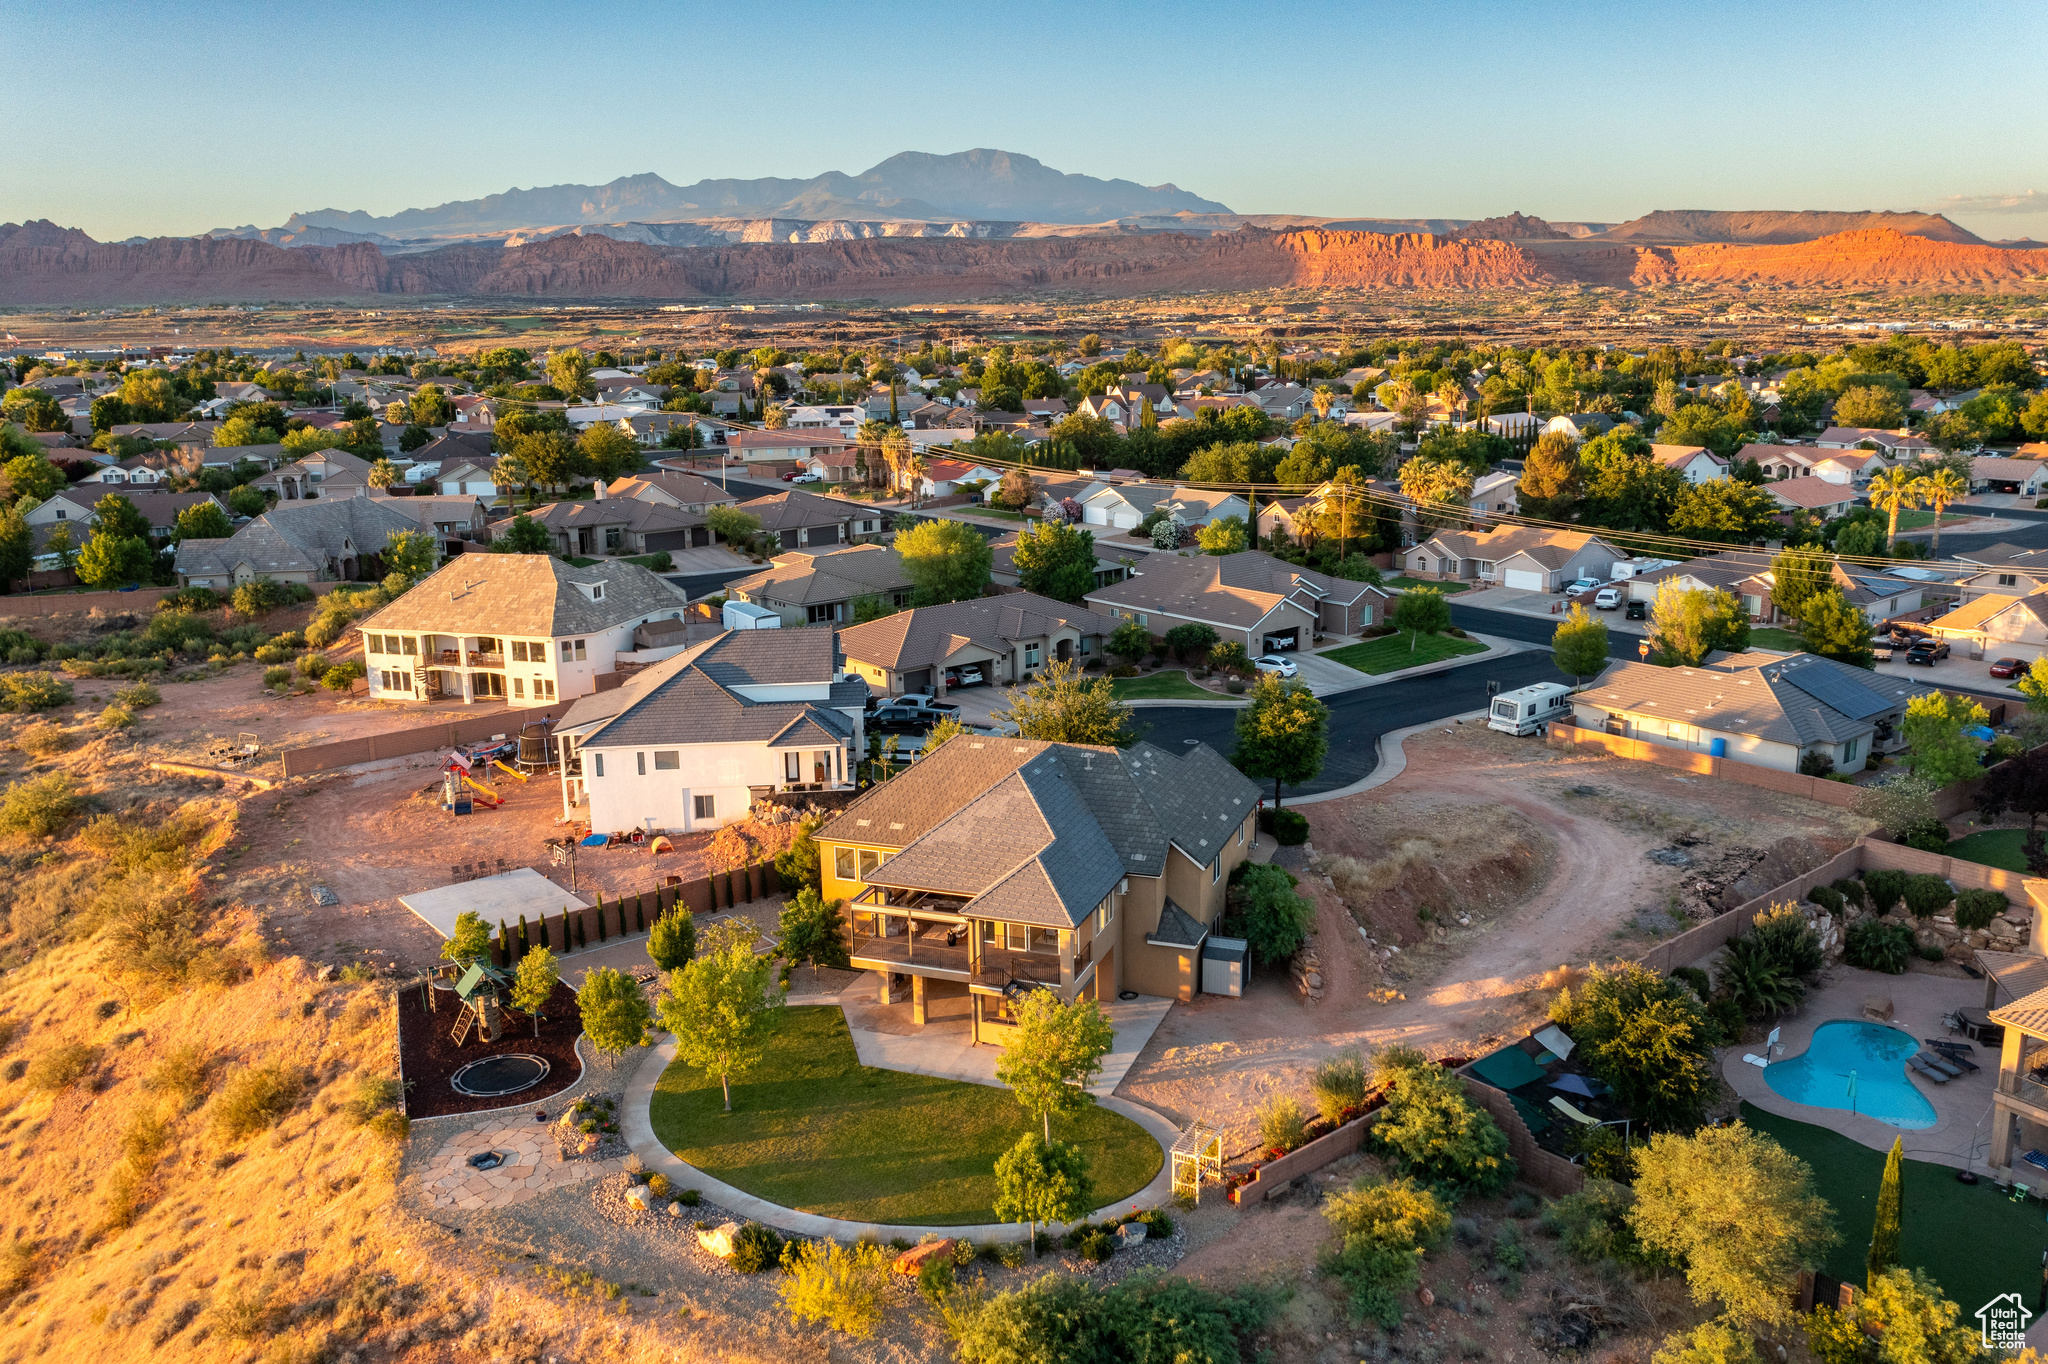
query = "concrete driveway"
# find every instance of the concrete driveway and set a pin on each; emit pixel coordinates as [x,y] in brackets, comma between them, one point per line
[1325,675]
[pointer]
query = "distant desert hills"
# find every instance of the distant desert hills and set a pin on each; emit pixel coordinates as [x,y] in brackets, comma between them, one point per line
[977,224]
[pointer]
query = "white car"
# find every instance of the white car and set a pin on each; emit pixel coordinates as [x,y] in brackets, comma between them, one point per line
[1582,585]
[1607,599]
[1273,663]
[807,478]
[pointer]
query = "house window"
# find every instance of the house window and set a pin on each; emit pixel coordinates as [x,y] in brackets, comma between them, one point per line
[597,764]
[543,689]
[612,536]
[597,591]
[869,861]
[1103,914]
[61,516]
[572,648]
[792,767]
[518,689]
[407,644]
[818,614]
[518,651]
[2004,579]
[1087,646]
[1850,750]
[842,863]
[704,807]
[1031,655]
[640,760]
[668,760]
[1215,868]
[539,651]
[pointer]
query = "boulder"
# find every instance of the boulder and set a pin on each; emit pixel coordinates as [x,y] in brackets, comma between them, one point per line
[675,1210]
[917,1257]
[639,1197]
[1131,1233]
[718,1240]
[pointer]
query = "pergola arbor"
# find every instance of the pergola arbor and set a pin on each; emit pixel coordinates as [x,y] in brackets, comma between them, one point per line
[1197,1155]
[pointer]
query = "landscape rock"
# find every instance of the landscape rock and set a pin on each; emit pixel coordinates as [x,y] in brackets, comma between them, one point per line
[639,1196]
[1131,1233]
[718,1240]
[917,1257]
[675,1210]
[1877,1008]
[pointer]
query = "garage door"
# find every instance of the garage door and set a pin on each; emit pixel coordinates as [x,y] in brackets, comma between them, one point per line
[1094,516]
[668,539]
[824,535]
[917,680]
[1529,579]
[1126,520]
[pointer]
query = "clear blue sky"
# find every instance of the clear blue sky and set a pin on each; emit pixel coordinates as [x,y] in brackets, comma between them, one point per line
[147,118]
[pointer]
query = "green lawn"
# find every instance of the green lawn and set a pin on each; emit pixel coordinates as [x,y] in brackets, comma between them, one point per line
[1920,520]
[1162,686]
[1973,1240]
[817,1131]
[1770,637]
[575,562]
[1392,653]
[1993,848]
[1447,588]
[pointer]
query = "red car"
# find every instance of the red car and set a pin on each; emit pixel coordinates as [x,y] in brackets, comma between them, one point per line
[2008,667]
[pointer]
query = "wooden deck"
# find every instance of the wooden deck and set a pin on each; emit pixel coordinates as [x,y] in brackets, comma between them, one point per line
[929,956]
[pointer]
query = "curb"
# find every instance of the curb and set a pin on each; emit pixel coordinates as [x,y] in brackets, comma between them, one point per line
[636,1124]
[1496,647]
[1391,763]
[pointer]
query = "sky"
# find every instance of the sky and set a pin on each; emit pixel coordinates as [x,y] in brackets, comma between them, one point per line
[149,118]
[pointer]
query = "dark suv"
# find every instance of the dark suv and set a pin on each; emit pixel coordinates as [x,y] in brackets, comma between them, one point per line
[915,718]
[1925,651]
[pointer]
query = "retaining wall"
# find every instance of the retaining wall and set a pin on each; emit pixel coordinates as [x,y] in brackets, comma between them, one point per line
[1565,735]
[1695,943]
[400,743]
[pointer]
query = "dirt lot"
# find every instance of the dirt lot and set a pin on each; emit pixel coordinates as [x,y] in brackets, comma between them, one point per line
[1526,858]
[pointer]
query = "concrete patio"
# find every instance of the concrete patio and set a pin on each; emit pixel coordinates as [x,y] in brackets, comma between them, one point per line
[1960,1137]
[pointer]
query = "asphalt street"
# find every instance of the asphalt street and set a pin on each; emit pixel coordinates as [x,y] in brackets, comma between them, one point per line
[1359,718]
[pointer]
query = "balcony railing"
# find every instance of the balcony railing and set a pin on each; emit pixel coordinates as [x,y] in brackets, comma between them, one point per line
[2026,1088]
[929,954]
[470,658]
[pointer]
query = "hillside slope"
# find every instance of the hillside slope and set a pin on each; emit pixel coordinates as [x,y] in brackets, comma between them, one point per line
[1681,227]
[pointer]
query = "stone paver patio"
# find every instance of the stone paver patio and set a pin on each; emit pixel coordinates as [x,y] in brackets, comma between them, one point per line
[531,1166]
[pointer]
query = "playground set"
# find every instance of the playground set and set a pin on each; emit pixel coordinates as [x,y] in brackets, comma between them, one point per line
[532,752]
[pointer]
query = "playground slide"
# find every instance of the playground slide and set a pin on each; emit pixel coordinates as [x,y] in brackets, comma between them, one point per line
[508,771]
[488,794]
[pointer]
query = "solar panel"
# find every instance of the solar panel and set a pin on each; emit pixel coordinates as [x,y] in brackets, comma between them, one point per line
[1830,688]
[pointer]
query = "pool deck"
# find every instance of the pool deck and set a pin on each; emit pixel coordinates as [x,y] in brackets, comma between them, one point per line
[1961,1135]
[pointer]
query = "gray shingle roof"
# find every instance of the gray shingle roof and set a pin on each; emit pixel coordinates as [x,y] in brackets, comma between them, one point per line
[1177,928]
[691,698]
[1752,694]
[927,635]
[1230,589]
[790,510]
[299,537]
[800,578]
[526,594]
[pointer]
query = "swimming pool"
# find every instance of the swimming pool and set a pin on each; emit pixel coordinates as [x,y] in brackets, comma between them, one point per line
[1875,1056]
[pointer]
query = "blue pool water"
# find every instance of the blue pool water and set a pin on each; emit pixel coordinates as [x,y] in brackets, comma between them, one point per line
[1820,1076]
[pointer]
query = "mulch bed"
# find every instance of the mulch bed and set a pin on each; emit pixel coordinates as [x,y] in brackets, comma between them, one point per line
[431,1056]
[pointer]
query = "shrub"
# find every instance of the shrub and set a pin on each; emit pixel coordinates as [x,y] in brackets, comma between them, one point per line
[1288,827]
[45,738]
[841,1287]
[658,1185]
[313,666]
[1235,686]
[1431,1130]
[1606,1152]
[33,691]
[1263,908]
[1386,1226]
[1695,979]
[1508,1250]
[1925,893]
[1877,946]
[1851,891]
[256,1098]
[1648,1038]
[755,1248]
[935,1281]
[1827,899]
[1062,1317]
[39,807]
[273,653]
[1816,764]
[60,1067]
[139,696]
[116,717]
[1928,835]
[1594,1225]
[1785,938]
[342,676]
[663,561]
[1097,1246]
[1885,889]
[1158,1225]
[689,1198]
[276,677]
[1977,908]
[1283,1123]
[1339,1085]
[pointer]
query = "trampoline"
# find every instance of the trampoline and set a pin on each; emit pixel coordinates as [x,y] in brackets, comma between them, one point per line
[492,1077]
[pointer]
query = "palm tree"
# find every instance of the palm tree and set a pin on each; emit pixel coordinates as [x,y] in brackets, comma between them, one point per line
[1892,492]
[1938,489]
[1323,398]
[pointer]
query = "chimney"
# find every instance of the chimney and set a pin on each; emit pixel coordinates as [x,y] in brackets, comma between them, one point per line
[600,489]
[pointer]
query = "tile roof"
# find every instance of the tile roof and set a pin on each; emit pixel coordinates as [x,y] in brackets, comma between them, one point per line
[2006,470]
[928,635]
[630,512]
[1808,492]
[1233,589]
[1548,547]
[684,488]
[1678,456]
[527,594]
[803,578]
[2029,1014]
[693,698]
[1972,615]
[790,510]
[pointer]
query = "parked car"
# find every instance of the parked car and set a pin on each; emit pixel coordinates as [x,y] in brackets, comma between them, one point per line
[1637,610]
[2008,667]
[806,478]
[789,477]
[1582,585]
[901,719]
[1607,599]
[1273,663]
[1926,651]
[926,700]
[956,678]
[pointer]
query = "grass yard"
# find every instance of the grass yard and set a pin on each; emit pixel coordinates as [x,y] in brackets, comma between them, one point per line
[1447,588]
[1993,848]
[817,1131]
[1916,519]
[1161,686]
[1973,1240]
[1770,637]
[1392,653]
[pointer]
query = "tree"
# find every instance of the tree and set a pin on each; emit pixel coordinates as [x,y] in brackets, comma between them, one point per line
[1016,490]
[1915,1322]
[732,525]
[1688,623]
[1725,510]
[1131,640]
[1434,483]
[411,554]
[2020,785]
[1225,535]
[944,560]
[1434,1132]
[526,536]
[113,561]
[549,458]
[430,406]
[116,515]
[33,476]
[1550,487]
[1422,611]
[1938,488]
[569,370]
[1647,1037]
[384,474]
[1873,406]
[798,864]
[204,521]
[471,940]
[1738,1211]
[1833,628]
[610,453]
[59,544]
[1796,574]
[1283,734]
[1884,1230]
[534,983]
[1055,560]
[812,929]
[1710,1342]
[615,1012]
[1941,752]
[1579,644]
[1893,491]
[1062,707]
[1191,640]
[34,409]
[719,1006]
[1264,909]
[1054,1055]
[672,938]
[1039,1180]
